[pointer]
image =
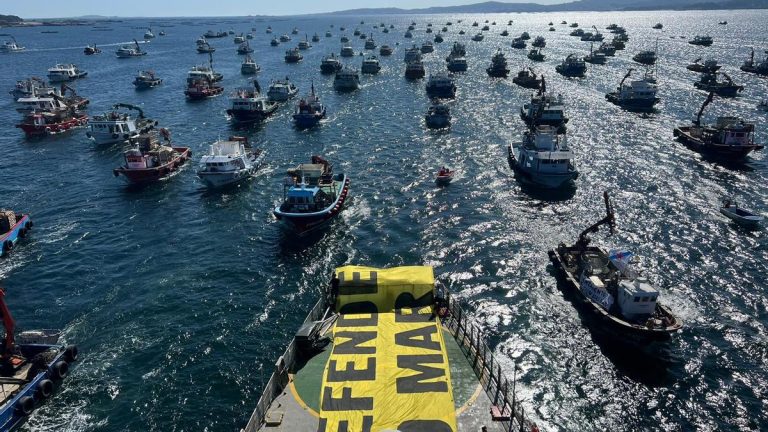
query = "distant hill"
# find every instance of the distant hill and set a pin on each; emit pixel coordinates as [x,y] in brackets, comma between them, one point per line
[579,5]
[10,19]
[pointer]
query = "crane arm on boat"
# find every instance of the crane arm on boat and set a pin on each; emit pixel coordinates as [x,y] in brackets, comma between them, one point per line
[9,324]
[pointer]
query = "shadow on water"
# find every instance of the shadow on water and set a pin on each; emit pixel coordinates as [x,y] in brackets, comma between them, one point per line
[648,364]
[560,194]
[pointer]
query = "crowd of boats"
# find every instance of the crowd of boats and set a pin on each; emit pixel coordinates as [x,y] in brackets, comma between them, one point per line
[314,194]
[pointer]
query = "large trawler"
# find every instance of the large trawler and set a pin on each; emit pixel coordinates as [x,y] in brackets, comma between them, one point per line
[229,162]
[626,304]
[388,350]
[544,109]
[117,126]
[543,158]
[312,196]
[249,105]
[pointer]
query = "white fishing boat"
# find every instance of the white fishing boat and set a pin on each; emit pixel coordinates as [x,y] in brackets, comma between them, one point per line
[11,46]
[347,79]
[148,34]
[740,215]
[117,126]
[543,158]
[229,162]
[248,105]
[281,90]
[249,66]
[370,65]
[128,51]
[65,72]
[347,50]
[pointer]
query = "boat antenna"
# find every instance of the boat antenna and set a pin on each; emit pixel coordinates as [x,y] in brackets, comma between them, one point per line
[711,96]
[210,60]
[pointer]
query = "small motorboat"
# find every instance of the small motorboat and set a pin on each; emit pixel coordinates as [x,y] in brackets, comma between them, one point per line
[274,42]
[438,116]
[13,227]
[128,51]
[740,215]
[152,160]
[65,72]
[91,50]
[229,162]
[146,79]
[285,38]
[444,176]
[148,34]
[11,46]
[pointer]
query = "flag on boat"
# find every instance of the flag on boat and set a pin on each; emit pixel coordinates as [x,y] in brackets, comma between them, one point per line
[620,258]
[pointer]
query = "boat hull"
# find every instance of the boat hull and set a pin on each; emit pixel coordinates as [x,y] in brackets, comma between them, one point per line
[306,121]
[36,131]
[244,116]
[200,95]
[304,223]
[527,83]
[9,239]
[632,104]
[545,180]
[151,175]
[725,152]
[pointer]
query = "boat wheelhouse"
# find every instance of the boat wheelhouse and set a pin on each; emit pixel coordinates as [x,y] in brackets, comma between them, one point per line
[128,51]
[146,79]
[229,162]
[543,158]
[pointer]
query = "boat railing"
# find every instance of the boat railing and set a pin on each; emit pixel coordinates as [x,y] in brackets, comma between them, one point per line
[507,407]
[279,378]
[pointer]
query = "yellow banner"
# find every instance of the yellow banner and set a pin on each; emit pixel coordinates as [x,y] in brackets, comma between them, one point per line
[388,371]
[383,290]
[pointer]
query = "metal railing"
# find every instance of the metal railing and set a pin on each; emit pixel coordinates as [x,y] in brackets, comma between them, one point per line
[488,369]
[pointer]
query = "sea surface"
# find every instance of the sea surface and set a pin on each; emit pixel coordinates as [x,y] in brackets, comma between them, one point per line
[181,299]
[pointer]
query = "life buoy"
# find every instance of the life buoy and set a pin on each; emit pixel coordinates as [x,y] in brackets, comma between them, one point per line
[45,388]
[70,353]
[26,405]
[60,369]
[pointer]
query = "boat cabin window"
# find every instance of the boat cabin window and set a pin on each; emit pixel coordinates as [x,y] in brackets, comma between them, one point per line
[637,299]
[645,299]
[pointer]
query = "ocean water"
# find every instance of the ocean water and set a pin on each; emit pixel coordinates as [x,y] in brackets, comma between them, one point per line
[181,299]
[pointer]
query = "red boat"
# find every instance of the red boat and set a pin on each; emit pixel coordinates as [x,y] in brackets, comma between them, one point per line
[444,176]
[198,89]
[44,123]
[152,160]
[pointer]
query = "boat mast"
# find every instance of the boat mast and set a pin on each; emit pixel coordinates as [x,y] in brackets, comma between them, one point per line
[608,219]
[629,72]
[711,96]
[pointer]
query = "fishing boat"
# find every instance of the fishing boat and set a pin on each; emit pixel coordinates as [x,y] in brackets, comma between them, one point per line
[438,38]
[574,25]
[427,47]
[115,126]
[709,66]
[328,34]
[35,364]
[412,54]
[444,177]
[412,328]
[637,95]
[11,46]
[457,64]
[740,215]
[726,88]
[152,160]
[536,55]
[309,111]
[203,47]
[370,65]
[415,70]
[544,109]
[13,227]
[370,44]
[408,35]
[312,196]
[244,48]
[478,37]
[315,38]
[701,41]
[593,37]
[572,66]
[295,31]
[229,162]
[441,85]
[212,34]
[330,64]
[347,79]
[293,55]
[91,50]
[304,44]
[146,79]
[285,38]
[38,124]
[519,43]
[148,34]
[543,158]
[347,50]
[498,67]
[595,57]
[438,116]
[539,42]
[239,39]
[207,73]
[729,138]
[625,303]
[281,90]
[607,49]
[751,66]
[344,39]
[269,30]
[249,66]
[658,26]
[32,86]
[505,32]
[52,100]
[386,50]
[128,51]
[65,72]
[618,44]
[199,88]
[527,78]
[645,57]
[248,105]
[578,32]
[274,42]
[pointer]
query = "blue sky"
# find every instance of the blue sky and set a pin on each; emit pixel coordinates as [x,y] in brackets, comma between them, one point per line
[70,8]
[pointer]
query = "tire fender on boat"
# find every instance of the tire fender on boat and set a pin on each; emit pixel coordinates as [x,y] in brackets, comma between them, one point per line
[115,172]
[60,369]
[70,353]
[115,136]
[88,134]
[8,245]
[47,129]
[30,224]
[23,232]
[45,388]
[26,405]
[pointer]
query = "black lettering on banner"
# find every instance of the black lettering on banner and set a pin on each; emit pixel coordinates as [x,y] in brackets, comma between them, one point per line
[346,402]
[352,346]
[419,338]
[357,321]
[349,373]
[357,285]
[424,426]
[415,383]
[412,316]
[343,425]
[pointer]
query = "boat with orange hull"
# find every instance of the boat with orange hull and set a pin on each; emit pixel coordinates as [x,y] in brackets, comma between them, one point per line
[151,160]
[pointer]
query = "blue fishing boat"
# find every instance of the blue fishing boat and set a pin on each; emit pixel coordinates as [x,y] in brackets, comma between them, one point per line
[312,196]
[13,226]
[309,111]
[33,364]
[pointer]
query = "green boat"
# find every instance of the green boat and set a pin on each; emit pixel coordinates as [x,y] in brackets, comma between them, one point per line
[388,350]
